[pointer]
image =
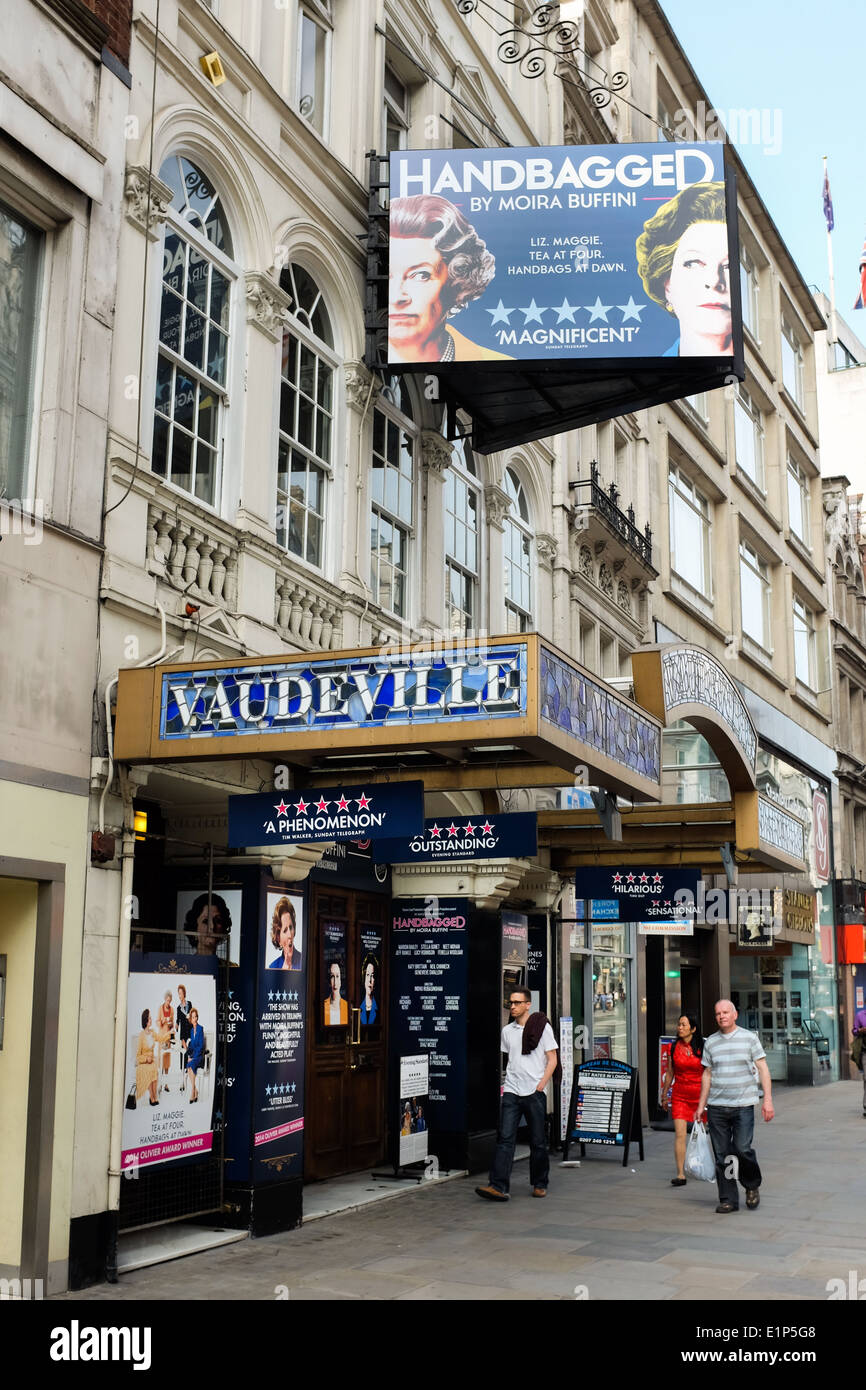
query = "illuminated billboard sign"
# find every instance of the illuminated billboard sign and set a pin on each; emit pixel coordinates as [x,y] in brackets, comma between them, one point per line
[545,289]
[574,252]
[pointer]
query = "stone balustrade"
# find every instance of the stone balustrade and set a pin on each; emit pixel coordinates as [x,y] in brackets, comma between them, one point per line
[192,552]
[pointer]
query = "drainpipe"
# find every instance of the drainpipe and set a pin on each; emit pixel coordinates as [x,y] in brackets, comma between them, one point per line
[118,1078]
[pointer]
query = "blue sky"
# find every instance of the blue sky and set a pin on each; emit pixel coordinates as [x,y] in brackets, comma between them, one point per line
[806,61]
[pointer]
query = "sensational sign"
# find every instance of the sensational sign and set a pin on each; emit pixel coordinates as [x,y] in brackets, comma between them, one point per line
[639,895]
[573,252]
[449,838]
[371,692]
[348,813]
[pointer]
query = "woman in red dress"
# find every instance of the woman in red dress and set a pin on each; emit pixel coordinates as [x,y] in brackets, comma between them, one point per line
[685,1070]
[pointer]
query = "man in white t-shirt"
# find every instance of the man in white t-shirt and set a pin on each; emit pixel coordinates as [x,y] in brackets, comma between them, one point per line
[526,1078]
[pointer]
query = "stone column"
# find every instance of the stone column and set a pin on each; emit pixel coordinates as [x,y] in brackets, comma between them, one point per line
[266,311]
[496,506]
[361,390]
[435,452]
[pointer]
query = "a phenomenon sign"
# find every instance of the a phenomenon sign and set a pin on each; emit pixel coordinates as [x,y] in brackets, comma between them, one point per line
[307,817]
[572,252]
[450,838]
[640,895]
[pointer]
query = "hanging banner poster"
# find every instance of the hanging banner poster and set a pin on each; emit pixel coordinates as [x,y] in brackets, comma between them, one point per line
[210,924]
[333,1005]
[577,252]
[278,1101]
[639,895]
[429,982]
[371,986]
[412,1119]
[350,813]
[509,836]
[170,1062]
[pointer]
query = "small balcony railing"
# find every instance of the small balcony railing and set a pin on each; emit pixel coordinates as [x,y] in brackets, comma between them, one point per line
[591,493]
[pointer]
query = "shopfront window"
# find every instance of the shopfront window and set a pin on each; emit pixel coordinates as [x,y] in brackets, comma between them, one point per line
[602,960]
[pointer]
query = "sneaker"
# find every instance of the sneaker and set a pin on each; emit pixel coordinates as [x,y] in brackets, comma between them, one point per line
[753,1198]
[492,1193]
[724,1208]
[539,1191]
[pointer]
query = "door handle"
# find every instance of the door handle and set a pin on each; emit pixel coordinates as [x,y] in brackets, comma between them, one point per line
[356,1025]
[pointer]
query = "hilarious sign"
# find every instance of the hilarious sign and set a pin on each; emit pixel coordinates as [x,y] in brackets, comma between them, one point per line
[639,895]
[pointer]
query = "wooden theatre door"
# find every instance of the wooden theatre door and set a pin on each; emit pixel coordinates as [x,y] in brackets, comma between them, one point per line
[347,1032]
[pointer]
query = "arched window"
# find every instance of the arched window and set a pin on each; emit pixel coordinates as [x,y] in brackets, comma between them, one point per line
[518,557]
[192,362]
[306,419]
[392,494]
[462,542]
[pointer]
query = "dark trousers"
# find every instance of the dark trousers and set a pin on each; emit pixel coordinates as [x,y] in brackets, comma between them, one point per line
[533,1109]
[732,1128]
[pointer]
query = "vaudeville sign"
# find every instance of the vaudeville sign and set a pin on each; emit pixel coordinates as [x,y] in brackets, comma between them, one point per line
[449,838]
[332,694]
[348,813]
[614,257]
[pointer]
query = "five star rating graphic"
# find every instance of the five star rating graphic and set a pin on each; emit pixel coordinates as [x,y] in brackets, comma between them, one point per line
[565,312]
[364,803]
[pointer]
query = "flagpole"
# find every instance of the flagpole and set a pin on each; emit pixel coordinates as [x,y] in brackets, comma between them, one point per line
[833,333]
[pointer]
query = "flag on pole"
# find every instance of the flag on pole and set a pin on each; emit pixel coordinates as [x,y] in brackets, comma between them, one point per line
[828,202]
[861,298]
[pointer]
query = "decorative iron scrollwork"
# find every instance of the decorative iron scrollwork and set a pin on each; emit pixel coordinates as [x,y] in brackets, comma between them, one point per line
[197,185]
[547,37]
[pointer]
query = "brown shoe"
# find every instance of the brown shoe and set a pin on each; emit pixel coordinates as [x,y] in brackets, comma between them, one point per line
[753,1198]
[539,1191]
[492,1193]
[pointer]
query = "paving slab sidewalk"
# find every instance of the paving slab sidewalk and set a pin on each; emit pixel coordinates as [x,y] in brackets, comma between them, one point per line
[604,1232]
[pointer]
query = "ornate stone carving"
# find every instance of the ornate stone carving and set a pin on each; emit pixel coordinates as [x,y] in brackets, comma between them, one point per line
[135,190]
[267,305]
[623,597]
[436,451]
[362,387]
[584,562]
[546,546]
[497,504]
[694,677]
[605,580]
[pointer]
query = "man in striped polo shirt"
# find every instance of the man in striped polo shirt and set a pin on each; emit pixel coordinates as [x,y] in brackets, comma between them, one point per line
[734,1062]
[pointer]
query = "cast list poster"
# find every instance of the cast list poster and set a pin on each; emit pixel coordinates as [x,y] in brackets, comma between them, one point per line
[429,976]
[572,252]
[160,1121]
[278,1100]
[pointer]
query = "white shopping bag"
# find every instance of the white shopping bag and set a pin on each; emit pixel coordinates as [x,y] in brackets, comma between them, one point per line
[700,1160]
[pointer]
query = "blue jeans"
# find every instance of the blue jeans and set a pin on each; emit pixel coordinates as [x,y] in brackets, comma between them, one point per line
[732,1128]
[533,1109]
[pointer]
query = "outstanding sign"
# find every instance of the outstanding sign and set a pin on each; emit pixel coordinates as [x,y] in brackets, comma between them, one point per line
[574,252]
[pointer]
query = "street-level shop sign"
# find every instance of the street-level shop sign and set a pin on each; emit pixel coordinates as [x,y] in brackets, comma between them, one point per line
[676,927]
[306,817]
[449,838]
[639,894]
